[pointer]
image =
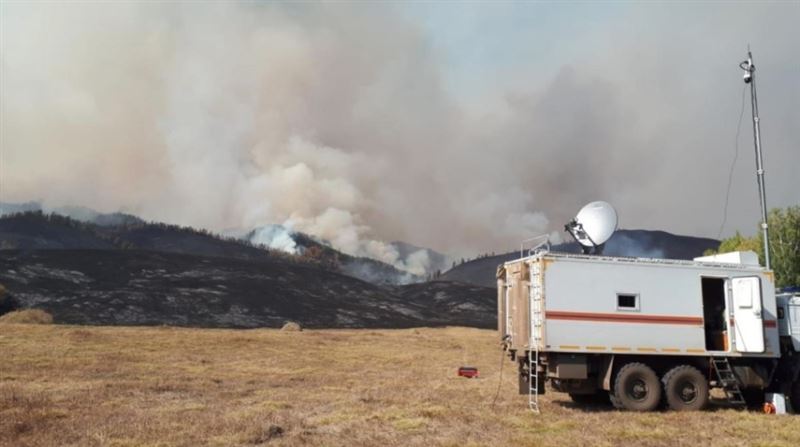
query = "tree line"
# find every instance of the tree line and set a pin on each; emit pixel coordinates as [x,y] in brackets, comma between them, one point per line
[784,245]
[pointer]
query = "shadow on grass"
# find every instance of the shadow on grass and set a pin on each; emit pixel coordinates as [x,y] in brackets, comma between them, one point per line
[595,404]
[601,405]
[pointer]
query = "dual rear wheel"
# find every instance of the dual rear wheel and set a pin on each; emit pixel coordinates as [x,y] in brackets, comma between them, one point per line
[638,388]
[685,388]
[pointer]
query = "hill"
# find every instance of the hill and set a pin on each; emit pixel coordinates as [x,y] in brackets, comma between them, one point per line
[35,230]
[139,273]
[631,243]
[64,385]
[138,287]
[79,213]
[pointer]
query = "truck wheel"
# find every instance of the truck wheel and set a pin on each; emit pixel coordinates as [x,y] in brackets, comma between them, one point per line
[685,388]
[614,402]
[636,388]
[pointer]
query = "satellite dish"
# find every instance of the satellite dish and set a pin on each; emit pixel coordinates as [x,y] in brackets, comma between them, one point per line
[593,226]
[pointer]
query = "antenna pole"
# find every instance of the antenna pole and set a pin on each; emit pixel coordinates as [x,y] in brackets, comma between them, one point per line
[750,78]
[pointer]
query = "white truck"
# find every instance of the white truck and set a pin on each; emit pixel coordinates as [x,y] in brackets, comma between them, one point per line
[646,332]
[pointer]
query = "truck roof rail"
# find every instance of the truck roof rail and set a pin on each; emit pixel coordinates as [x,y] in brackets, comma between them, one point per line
[537,244]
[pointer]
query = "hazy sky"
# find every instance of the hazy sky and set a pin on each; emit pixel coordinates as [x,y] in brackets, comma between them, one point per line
[464,127]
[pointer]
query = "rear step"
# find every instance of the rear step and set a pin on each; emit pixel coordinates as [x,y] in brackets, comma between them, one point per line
[727,380]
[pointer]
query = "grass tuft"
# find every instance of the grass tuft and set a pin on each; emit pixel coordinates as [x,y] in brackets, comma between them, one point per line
[27,316]
[291,326]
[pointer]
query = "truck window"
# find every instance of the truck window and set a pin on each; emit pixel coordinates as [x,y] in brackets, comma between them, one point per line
[627,301]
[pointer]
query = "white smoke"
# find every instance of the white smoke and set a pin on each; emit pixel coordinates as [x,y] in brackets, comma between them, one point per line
[338,120]
[275,117]
[276,237]
[622,245]
[418,263]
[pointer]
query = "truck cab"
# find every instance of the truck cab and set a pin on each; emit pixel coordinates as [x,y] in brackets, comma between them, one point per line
[789,318]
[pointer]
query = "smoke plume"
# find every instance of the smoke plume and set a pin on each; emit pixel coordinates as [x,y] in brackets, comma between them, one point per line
[341,121]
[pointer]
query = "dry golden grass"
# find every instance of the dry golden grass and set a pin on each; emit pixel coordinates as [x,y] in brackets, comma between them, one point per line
[27,316]
[63,385]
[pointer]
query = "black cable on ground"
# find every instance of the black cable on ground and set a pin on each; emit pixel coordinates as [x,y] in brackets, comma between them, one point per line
[500,377]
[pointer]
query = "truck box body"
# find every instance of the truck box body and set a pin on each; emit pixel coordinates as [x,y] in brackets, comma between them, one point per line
[613,305]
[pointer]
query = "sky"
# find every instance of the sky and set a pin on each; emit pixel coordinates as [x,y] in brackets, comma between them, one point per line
[461,126]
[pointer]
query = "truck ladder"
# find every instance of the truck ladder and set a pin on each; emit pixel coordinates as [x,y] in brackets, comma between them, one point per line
[728,381]
[536,298]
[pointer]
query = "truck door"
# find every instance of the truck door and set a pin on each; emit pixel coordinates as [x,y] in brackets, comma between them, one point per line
[747,320]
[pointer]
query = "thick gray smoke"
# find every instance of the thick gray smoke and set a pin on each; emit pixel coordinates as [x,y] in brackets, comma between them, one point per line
[339,121]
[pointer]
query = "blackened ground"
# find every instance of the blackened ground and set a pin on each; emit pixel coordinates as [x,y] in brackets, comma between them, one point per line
[450,301]
[135,287]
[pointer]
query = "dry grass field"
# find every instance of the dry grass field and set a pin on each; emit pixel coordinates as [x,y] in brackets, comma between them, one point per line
[121,386]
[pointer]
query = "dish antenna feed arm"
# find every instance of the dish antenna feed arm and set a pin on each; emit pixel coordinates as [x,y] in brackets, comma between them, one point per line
[575,228]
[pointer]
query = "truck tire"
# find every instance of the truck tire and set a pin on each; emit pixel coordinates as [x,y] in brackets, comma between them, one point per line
[636,388]
[685,388]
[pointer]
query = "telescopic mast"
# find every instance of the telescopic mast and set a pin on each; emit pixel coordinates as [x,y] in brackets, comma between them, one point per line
[750,78]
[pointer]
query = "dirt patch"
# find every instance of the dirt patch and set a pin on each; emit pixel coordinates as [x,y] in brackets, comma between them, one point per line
[271,432]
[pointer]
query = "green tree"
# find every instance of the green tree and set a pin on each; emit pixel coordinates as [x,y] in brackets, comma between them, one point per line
[784,245]
[738,242]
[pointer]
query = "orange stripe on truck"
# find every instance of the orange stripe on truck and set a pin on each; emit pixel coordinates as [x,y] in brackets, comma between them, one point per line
[623,318]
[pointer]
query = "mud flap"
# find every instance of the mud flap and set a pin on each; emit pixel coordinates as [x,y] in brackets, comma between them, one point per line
[605,372]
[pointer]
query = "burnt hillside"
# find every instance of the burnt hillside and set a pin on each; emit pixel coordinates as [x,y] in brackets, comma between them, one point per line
[135,287]
[34,230]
